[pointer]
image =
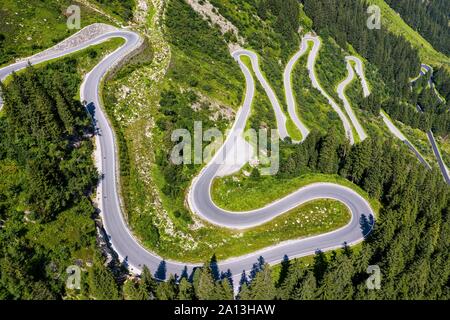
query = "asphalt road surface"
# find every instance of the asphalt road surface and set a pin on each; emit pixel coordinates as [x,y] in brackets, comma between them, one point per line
[397,133]
[341,92]
[133,253]
[437,153]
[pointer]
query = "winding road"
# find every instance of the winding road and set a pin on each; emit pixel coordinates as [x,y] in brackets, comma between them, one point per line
[437,154]
[128,247]
[290,99]
[397,133]
[341,92]
[442,166]
[317,43]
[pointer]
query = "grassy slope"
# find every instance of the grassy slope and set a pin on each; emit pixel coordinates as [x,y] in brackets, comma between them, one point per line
[31,26]
[330,71]
[312,107]
[262,113]
[144,180]
[396,25]
[428,55]
[238,192]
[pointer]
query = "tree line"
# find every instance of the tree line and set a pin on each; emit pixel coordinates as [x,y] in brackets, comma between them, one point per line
[434,109]
[345,21]
[409,241]
[47,176]
[429,18]
[396,60]
[441,78]
[287,15]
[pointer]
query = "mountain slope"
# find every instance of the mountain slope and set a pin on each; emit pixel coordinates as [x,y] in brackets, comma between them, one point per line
[397,25]
[428,18]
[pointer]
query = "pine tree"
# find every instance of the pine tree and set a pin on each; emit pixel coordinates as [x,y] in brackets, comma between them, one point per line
[262,286]
[131,291]
[320,265]
[307,288]
[206,289]
[224,290]
[337,281]
[102,285]
[186,290]
[328,153]
[167,290]
[147,285]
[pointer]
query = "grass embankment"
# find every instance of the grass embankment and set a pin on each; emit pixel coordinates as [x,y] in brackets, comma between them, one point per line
[292,130]
[262,113]
[30,27]
[239,193]
[87,58]
[372,124]
[420,140]
[416,137]
[312,107]
[121,10]
[444,147]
